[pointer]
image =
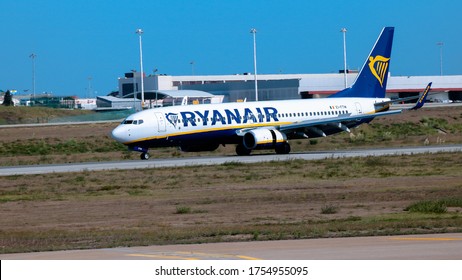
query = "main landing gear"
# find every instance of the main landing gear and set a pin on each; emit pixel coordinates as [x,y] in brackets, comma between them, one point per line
[281,149]
[241,150]
[144,156]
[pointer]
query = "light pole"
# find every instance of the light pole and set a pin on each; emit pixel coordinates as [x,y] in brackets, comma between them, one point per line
[192,67]
[157,82]
[344,31]
[134,89]
[441,44]
[254,32]
[33,56]
[139,31]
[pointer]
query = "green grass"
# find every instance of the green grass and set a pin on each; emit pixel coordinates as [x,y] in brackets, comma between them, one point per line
[21,114]
[52,147]
[183,210]
[435,206]
[392,224]
[379,132]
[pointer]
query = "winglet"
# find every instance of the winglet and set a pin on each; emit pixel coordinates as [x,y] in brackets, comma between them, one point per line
[422,98]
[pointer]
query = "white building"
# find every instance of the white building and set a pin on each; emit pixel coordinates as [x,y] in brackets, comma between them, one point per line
[287,86]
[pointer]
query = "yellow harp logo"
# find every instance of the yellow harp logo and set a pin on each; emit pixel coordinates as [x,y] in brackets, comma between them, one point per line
[379,66]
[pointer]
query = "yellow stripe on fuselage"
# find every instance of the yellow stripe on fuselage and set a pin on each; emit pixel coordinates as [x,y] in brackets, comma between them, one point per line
[196,131]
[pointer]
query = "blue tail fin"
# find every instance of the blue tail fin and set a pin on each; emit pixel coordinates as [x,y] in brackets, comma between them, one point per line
[372,79]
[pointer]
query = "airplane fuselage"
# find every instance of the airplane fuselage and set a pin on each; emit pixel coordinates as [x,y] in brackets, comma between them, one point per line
[209,125]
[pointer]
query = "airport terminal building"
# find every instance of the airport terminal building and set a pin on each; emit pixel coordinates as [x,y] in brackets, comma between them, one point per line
[285,86]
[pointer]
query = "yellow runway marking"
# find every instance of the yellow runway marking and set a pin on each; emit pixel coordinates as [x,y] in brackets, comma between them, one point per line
[427,238]
[227,256]
[163,257]
[247,258]
[191,256]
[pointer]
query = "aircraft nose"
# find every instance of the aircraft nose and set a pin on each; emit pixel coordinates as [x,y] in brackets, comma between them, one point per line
[119,134]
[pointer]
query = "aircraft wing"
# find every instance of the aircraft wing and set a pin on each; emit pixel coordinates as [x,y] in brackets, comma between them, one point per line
[334,121]
[338,121]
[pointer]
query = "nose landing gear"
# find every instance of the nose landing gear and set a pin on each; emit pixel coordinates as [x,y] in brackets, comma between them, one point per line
[144,152]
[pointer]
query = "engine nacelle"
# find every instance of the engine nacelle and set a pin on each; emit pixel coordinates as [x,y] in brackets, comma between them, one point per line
[263,138]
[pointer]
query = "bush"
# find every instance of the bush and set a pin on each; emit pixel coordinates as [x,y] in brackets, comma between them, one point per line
[437,207]
[329,209]
[183,210]
[452,201]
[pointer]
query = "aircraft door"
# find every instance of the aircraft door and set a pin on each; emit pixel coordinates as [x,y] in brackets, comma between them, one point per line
[358,108]
[160,122]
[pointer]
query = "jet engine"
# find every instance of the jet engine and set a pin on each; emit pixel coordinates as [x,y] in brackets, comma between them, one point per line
[263,138]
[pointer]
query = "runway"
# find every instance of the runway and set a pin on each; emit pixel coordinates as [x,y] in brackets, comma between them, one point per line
[402,247]
[190,161]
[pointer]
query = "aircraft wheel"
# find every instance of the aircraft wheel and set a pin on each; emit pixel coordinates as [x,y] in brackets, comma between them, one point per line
[144,156]
[283,149]
[242,151]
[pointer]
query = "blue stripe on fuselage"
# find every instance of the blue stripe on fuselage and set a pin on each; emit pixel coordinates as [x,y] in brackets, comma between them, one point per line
[224,136]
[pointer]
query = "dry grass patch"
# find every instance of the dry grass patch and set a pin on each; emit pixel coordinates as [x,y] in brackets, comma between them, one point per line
[274,200]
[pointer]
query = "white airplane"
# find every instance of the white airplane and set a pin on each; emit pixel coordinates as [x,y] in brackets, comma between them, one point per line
[267,124]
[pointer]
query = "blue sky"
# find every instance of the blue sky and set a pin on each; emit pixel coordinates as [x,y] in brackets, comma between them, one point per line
[75,40]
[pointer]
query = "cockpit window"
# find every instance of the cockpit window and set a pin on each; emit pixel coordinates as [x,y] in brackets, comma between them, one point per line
[135,122]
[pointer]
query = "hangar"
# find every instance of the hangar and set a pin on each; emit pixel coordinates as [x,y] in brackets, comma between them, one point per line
[287,86]
[157,98]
